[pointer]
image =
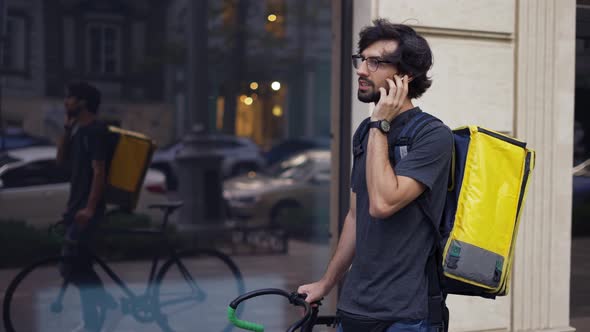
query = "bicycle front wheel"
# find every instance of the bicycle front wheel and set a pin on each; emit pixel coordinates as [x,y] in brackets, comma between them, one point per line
[43,298]
[193,291]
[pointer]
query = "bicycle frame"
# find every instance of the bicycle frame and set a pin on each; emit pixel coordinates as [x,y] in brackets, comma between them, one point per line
[145,306]
[154,271]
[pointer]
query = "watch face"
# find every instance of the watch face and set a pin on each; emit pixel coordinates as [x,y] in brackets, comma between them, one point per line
[385,126]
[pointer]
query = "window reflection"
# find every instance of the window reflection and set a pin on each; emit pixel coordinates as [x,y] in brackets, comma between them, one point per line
[256,175]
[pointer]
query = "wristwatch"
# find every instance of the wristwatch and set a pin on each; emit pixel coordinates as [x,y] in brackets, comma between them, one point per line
[383,125]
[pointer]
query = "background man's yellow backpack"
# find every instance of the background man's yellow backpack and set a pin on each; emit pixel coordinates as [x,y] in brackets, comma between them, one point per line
[130,156]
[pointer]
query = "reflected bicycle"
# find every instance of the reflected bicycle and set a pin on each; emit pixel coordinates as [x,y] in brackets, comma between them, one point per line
[181,293]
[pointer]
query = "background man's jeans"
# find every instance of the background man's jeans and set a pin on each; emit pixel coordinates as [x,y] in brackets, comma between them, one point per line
[78,268]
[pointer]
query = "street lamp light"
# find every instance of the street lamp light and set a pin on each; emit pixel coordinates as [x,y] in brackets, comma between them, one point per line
[276,85]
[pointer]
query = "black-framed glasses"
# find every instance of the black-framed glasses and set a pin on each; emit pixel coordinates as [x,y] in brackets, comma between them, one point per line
[372,63]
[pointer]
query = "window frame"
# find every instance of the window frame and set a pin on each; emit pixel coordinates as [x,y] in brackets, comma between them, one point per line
[103,25]
[25,71]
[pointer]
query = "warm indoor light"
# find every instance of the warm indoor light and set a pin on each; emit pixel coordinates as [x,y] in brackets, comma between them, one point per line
[277,111]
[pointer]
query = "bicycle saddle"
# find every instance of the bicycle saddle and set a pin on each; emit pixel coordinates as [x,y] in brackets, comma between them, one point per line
[167,206]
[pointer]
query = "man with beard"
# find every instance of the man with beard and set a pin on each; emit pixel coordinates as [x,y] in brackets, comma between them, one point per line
[387,236]
[83,149]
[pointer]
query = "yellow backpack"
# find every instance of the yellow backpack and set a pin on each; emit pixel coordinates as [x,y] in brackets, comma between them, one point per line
[130,155]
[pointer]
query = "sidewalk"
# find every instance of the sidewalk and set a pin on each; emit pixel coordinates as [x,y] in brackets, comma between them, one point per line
[580,284]
[296,267]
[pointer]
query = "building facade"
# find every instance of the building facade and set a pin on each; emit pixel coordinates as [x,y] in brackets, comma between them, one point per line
[116,45]
[507,65]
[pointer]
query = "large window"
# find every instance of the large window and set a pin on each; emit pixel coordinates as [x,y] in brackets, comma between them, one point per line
[237,96]
[103,49]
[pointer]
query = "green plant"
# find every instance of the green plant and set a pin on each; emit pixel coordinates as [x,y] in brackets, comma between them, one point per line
[22,244]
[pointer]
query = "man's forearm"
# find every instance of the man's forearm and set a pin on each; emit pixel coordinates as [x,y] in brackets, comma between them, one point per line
[344,254]
[381,179]
[63,148]
[97,189]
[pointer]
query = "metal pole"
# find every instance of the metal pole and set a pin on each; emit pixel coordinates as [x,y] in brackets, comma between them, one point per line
[197,80]
[2,39]
[345,109]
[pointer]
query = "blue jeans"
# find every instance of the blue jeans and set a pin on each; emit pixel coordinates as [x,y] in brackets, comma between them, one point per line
[79,271]
[405,326]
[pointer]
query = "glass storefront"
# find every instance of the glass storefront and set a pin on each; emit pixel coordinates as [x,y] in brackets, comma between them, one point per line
[237,96]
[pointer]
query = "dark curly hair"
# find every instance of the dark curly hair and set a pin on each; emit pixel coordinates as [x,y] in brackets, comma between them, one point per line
[87,92]
[412,57]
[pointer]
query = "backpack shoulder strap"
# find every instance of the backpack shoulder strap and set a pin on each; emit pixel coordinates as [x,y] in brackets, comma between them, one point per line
[401,144]
[438,313]
[359,136]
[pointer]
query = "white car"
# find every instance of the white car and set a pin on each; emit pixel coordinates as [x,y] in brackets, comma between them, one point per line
[299,184]
[34,189]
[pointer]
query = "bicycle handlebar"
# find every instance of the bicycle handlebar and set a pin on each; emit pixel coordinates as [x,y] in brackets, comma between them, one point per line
[294,298]
[242,324]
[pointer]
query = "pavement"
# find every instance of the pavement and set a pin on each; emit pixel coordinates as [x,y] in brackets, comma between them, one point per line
[580,284]
[284,271]
[261,271]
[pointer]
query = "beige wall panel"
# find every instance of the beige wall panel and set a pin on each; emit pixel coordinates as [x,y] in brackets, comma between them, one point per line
[545,114]
[475,15]
[473,83]
[478,314]
[363,12]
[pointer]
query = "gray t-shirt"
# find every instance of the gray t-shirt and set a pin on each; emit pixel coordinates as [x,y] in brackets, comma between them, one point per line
[387,280]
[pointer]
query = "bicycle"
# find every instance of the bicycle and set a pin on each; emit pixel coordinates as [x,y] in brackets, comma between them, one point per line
[305,324]
[171,286]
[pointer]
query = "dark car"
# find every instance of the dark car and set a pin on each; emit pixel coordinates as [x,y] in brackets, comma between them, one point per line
[240,155]
[581,182]
[292,146]
[16,138]
[581,199]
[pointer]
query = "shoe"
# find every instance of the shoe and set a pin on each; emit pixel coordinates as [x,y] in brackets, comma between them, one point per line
[108,301]
[112,322]
[81,328]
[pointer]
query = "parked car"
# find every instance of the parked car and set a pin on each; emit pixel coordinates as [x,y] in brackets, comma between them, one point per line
[294,194]
[581,199]
[581,183]
[240,155]
[291,146]
[16,138]
[34,189]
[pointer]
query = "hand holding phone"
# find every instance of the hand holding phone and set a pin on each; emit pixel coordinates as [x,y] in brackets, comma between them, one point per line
[70,121]
[391,99]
